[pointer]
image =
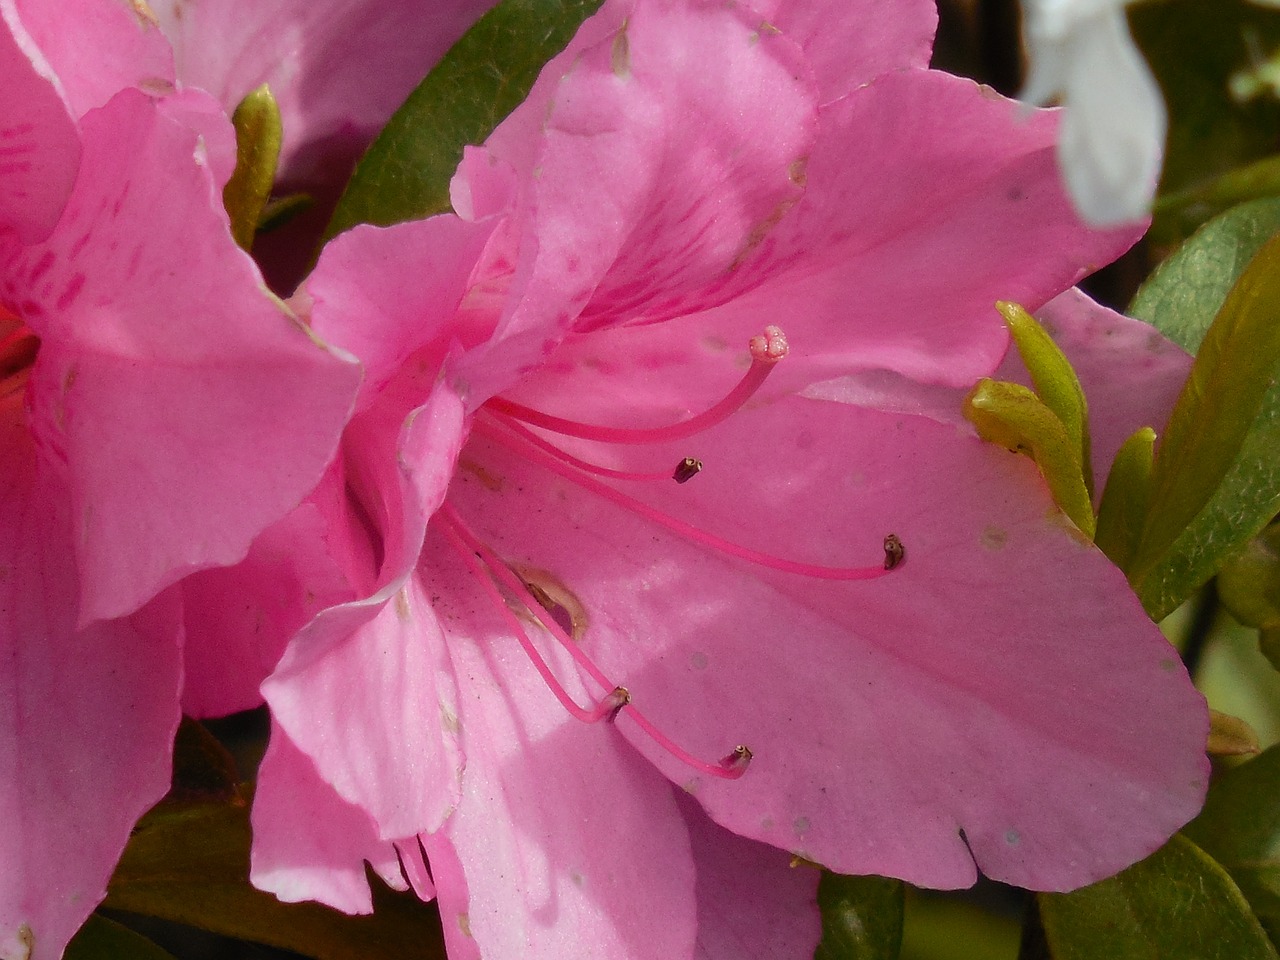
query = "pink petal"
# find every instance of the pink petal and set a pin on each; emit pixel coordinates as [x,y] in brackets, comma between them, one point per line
[90,714]
[1004,682]
[309,843]
[405,704]
[753,903]
[903,277]
[570,846]
[99,47]
[190,408]
[239,619]
[39,145]
[672,146]
[849,42]
[337,68]
[386,294]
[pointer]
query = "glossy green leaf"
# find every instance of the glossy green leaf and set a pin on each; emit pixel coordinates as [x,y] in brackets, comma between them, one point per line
[1178,904]
[190,864]
[861,918]
[1054,378]
[1011,415]
[104,939]
[258,137]
[405,173]
[1206,441]
[1240,828]
[1124,498]
[1257,180]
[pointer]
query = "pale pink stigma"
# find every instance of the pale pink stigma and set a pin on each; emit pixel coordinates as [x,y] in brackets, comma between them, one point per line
[766,350]
[618,698]
[679,527]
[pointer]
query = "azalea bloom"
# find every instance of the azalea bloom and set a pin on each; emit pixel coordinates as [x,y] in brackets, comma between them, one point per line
[1113,133]
[573,665]
[159,409]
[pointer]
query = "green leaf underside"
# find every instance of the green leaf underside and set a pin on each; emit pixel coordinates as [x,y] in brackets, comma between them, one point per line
[1124,498]
[405,173]
[1178,904]
[1181,299]
[1240,828]
[1011,415]
[861,918]
[1054,378]
[190,864]
[258,137]
[103,939]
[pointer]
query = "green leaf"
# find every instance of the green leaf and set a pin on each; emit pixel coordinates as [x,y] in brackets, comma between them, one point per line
[1011,415]
[1184,294]
[1054,378]
[1195,48]
[1249,582]
[1205,442]
[1178,904]
[103,939]
[1124,498]
[405,173]
[861,918]
[1240,828]
[258,136]
[190,864]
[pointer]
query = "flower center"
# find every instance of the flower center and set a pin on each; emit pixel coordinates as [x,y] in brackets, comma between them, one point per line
[522,430]
[18,348]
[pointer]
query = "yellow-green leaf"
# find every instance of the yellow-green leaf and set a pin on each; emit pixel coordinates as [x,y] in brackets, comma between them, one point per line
[1124,498]
[1054,378]
[1223,396]
[1011,415]
[258,136]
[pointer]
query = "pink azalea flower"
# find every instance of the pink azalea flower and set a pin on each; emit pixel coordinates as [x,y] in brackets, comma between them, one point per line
[608,706]
[157,409]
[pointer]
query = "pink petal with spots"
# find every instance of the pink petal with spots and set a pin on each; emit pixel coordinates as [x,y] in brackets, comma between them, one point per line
[100,47]
[337,68]
[569,843]
[189,407]
[1003,682]
[753,903]
[405,705]
[849,42]
[39,145]
[309,843]
[672,144]
[89,717]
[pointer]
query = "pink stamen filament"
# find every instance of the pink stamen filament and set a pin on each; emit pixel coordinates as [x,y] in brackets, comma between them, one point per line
[526,434]
[766,351]
[676,526]
[469,547]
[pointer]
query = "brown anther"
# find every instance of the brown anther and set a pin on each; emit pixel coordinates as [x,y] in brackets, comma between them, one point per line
[686,470]
[894,552]
[616,699]
[737,760]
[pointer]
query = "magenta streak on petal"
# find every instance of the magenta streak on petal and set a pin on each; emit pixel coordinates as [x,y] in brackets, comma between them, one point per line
[676,526]
[733,766]
[766,351]
[526,434]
